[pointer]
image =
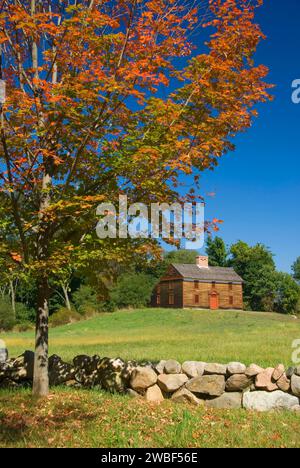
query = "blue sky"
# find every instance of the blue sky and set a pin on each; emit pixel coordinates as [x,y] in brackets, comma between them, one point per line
[257,186]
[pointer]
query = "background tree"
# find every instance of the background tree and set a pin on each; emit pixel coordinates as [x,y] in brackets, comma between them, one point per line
[260,288]
[181,256]
[255,264]
[216,251]
[81,123]
[288,294]
[132,290]
[296,269]
[62,282]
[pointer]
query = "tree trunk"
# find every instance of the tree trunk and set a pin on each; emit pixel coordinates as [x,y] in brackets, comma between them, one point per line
[66,295]
[40,375]
[13,298]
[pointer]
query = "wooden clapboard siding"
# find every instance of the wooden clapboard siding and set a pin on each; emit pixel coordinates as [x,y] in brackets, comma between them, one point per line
[165,290]
[174,290]
[189,293]
[224,291]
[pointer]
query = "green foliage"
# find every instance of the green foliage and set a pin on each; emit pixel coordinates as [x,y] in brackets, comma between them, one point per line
[245,258]
[24,326]
[64,316]
[88,311]
[260,287]
[175,256]
[257,268]
[181,256]
[265,289]
[85,297]
[26,292]
[7,319]
[288,294]
[132,290]
[24,314]
[296,269]
[217,252]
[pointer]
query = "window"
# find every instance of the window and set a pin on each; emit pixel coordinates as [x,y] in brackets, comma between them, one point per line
[196,299]
[231,300]
[230,286]
[196,284]
[213,284]
[171,298]
[171,285]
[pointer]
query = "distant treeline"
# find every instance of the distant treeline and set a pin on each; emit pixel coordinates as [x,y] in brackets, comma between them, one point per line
[79,294]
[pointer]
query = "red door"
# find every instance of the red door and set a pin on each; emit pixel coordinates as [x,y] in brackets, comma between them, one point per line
[214,301]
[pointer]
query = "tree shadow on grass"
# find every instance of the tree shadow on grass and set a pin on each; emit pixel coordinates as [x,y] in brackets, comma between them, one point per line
[34,428]
[12,429]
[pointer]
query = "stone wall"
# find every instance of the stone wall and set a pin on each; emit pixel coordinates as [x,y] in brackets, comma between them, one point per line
[214,385]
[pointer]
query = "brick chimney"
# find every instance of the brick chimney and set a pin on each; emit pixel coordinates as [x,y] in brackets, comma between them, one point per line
[202,261]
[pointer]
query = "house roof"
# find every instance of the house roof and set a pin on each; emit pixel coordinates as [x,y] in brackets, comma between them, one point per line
[190,271]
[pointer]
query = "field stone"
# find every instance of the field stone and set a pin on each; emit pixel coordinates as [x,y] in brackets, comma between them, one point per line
[265,401]
[59,371]
[154,394]
[172,367]
[114,375]
[238,383]
[236,368]
[296,409]
[284,383]
[171,382]
[297,371]
[213,385]
[132,393]
[22,367]
[183,395]
[142,378]
[295,385]
[215,369]
[3,352]
[17,372]
[226,401]
[253,370]
[290,371]
[193,368]
[263,380]
[160,367]
[278,372]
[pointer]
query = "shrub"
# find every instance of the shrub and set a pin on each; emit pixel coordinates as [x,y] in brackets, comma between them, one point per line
[88,311]
[132,290]
[24,314]
[23,326]
[85,297]
[63,316]
[7,319]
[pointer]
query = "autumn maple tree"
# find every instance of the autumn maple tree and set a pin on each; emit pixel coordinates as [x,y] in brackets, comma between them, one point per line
[108,97]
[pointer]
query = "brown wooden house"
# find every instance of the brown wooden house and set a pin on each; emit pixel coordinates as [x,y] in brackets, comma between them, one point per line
[199,286]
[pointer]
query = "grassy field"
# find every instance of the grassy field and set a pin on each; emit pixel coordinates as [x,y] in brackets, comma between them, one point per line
[154,334]
[85,418]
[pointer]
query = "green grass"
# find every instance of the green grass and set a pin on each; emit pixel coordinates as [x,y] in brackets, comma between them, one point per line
[85,418]
[82,418]
[155,334]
